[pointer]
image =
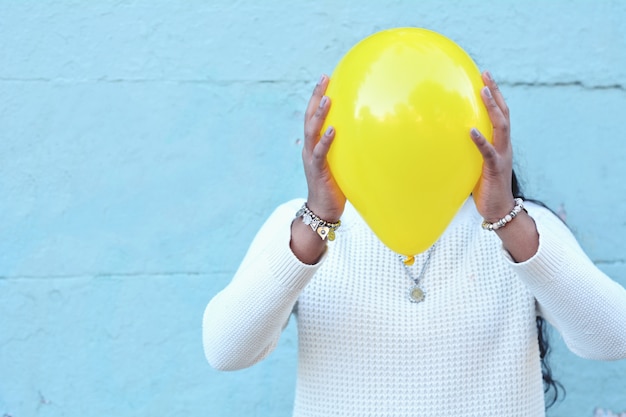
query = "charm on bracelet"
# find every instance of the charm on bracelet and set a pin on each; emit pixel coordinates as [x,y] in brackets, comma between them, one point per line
[323,228]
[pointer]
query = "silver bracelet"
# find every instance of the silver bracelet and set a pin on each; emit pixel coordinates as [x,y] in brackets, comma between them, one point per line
[323,228]
[519,206]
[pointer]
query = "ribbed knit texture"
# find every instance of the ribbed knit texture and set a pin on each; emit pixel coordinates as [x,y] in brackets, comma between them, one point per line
[469,349]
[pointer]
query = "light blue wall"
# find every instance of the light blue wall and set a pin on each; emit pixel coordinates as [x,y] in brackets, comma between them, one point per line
[144,142]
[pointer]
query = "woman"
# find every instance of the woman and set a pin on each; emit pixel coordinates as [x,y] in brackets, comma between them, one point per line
[464,342]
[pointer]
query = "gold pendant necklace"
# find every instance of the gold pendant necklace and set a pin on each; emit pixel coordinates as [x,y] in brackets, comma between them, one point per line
[416,293]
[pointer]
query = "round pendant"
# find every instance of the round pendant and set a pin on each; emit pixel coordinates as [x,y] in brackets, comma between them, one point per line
[416,295]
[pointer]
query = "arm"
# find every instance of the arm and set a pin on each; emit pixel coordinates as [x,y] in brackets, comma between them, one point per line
[242,323]
[579,300]
[586,306]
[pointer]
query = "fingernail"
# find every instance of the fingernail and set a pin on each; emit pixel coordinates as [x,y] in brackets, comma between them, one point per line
[322,78]
[329,131]
[475,133]
[323,101]
[488,74]
[487,92]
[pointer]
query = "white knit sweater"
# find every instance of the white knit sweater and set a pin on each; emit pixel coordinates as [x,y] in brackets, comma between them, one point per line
[469,349]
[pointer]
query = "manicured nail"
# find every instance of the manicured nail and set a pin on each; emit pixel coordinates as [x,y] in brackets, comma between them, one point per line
[488,75]
[487,92]
[475,133]
[323,101]
[322,78]
[329,131]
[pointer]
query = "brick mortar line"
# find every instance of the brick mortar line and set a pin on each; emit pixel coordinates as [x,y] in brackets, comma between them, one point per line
[599,262]
[532,84]
[114,275]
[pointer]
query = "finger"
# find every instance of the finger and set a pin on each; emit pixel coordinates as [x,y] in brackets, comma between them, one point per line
[485,148]
[322,147]
[498,119]
[313,126]
[316,97]
[497,94]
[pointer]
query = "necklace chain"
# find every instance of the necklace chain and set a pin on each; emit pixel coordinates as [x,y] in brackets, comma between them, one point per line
[416,294]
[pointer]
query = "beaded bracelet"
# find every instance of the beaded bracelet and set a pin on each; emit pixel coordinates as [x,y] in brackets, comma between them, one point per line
[323,228]
[519,206]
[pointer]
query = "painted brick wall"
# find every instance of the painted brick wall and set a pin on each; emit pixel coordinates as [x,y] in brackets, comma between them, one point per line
[144,142]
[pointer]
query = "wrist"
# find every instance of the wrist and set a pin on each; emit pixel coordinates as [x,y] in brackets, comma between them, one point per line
[518,206]
[520,238]
[309,235]
[493,209]
[305,244]
[323,228]
[328,209]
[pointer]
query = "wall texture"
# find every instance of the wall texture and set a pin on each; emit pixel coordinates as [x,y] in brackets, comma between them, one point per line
[144,142]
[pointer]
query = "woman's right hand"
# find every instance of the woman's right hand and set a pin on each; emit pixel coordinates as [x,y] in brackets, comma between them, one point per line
[325,199]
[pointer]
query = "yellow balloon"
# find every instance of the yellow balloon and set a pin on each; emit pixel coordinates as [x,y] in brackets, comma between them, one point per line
[403,103]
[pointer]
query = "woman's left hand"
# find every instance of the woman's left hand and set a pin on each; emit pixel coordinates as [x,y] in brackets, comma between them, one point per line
[493,195]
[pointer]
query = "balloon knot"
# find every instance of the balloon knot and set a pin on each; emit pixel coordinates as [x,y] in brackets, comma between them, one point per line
[409,260]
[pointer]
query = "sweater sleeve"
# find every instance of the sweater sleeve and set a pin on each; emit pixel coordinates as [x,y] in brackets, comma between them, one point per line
[580,301]
[243,322]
